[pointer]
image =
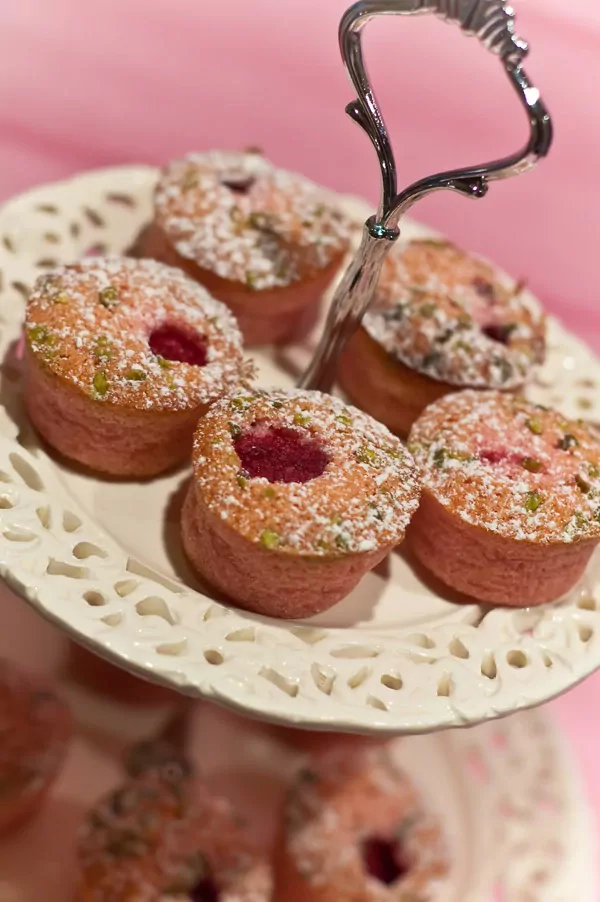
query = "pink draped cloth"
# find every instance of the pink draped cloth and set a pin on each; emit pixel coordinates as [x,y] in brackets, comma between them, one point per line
[101,82]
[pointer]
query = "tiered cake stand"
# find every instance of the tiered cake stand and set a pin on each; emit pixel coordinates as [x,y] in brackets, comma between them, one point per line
[402,655]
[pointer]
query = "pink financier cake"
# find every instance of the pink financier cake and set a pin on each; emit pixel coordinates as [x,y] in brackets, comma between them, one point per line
[264,241]
[510,511]
[35,728]
[355,830]
[122,357]
[163,838]
[441,320]
[294,498]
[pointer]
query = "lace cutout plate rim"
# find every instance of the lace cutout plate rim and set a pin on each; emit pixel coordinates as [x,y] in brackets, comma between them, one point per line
[396,657]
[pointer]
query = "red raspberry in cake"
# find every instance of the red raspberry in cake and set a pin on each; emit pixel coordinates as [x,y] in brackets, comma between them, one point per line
[123,356]
[441,320]
[35,728]
[294,497]
[264,241]
[355,828]
[510,511]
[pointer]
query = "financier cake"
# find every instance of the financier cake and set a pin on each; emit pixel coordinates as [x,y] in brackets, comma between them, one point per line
[355,829]
[122,358]
[441,320]
[164,838]
[510,510]
[265,241]
[294,497]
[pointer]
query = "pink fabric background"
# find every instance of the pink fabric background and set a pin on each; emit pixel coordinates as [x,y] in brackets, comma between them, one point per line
[108,81]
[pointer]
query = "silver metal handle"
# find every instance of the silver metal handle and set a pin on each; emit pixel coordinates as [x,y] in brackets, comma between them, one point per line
[492,21]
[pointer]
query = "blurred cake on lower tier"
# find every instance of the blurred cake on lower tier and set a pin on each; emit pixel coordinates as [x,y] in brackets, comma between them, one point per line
[355,829]
[35,729]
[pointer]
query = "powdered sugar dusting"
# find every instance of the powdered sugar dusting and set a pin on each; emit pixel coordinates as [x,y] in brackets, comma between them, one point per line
[154,841]
[516,469]
[337,805]
[452,317]
[90,324]
[362,501]
[239,217]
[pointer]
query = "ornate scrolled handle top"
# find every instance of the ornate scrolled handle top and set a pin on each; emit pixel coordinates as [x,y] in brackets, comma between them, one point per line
[493,22]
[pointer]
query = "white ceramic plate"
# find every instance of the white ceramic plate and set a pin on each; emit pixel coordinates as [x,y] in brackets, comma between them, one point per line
[103,559]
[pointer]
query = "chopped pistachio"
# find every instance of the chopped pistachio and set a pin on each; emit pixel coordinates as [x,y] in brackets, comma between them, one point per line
[100,383]
[171,383]
[135,375]
[427,310]
[376,512]
[60,298]
[365,455]
[439,457]
[461,345]
[103,348]
[162,362]
[190,179]
[270,493]
[269,538]
[534,425]
[241,481]
[277,405]
[567,442]
[431,360]
[594,471]
[464,321]
[506,368]
[531,464]
[533,501]
[251,279]
[433,242]
[582,484]
[39,334]
[235,430]
[301,419]
[240,403]
[342,542]
[344,418]
[336,519]
[108,297]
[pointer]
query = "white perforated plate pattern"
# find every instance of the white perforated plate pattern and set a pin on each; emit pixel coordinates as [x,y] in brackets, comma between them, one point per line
[103,558]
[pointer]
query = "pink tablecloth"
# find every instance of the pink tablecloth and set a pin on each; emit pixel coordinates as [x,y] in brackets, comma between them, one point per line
[106,81]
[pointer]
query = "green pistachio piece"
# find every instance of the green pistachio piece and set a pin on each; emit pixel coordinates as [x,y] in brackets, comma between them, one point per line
[269,539]
[533,501]
[582,484]
[534,425]
[567,442]
[365,455]
[135,376]
[531,464]
[100,383]
[108,297]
